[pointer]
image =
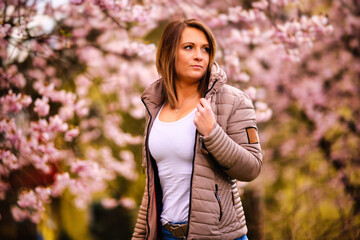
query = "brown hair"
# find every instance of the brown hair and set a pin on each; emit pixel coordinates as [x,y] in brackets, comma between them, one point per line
[166,55]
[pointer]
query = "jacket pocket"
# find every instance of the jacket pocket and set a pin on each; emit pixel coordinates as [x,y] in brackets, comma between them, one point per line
[219,201]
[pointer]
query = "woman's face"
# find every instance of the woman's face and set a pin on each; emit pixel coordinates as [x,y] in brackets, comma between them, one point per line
[192,56]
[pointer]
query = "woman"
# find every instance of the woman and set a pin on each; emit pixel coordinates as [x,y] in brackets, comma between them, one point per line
[200,136]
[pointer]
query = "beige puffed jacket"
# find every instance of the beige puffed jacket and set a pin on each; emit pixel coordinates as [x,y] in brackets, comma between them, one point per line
[231,151]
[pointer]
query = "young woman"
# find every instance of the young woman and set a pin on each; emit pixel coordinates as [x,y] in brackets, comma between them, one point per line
[200,137]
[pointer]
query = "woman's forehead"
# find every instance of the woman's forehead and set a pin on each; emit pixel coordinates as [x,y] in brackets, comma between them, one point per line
[193,35]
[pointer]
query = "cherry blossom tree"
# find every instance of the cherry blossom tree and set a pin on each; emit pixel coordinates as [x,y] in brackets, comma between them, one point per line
[313,138]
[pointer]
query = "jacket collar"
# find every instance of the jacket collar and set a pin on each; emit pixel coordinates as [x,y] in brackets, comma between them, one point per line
[153,96]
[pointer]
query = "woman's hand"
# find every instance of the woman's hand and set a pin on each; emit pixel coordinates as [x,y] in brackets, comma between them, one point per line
[204,117]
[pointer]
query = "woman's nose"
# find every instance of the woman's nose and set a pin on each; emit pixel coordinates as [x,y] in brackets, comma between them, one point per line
[198,55]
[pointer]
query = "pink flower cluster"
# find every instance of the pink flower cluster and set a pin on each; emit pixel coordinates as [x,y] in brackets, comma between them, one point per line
[125,202]
[42,107]
[11,77]
[125,168]
[113,132]
[302,31]
[90,179]
[13,103]
[68,100]
[238,14]
[31,204]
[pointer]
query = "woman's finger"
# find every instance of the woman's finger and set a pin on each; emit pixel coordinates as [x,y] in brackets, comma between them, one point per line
[205,103]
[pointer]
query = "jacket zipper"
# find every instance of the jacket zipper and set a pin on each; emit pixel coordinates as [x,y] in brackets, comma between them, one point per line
[193,163]
[210,87]
[147,168]
[218,200]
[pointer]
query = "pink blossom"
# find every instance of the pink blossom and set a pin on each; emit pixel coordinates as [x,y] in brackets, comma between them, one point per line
[56,124]
[113,132]
[32,204]
[66,98]
[18,80]
[219,21]
[89,136]
[19,214]
[138,110]
[39,62]
[36,216]
[127,156]
[43,89]
[282,2]
[9,159]
[82,85]
[66,112]
[50,71]
[263,113]
[61,182]
[89,170]
[71,134]
[77,2]
[125,168]
[109,203]
[28,199]
[37,74]
[4,29]
[42,107]
[244,77]
[82,107]
[43,194]
[13,103]
[251,91]
[127,202]
[262,4]
[238,14]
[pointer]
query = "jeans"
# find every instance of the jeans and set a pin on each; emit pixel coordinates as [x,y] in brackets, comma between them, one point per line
[242,238]
[168,236]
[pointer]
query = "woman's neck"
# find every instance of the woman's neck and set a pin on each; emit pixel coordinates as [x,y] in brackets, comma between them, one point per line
[185,91]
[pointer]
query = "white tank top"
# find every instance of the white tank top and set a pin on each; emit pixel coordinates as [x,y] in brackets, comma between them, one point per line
[172,146]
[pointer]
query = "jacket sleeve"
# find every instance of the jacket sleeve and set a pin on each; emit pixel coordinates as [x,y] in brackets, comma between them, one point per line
[140,226]
[237,149]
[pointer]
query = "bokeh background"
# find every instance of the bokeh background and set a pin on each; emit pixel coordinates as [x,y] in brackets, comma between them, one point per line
[71,123]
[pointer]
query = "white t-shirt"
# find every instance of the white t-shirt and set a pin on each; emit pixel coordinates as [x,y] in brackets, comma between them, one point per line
[172,147]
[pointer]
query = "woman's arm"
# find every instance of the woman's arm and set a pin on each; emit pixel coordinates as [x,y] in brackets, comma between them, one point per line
[140,226]
[238,149]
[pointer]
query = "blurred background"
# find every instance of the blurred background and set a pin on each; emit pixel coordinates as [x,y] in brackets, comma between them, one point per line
[71,119]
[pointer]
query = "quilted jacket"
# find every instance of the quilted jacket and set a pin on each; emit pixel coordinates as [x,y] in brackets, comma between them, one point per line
[231,151]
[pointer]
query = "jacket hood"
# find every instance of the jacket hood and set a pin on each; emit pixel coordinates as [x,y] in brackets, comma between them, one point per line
[217,79]
[217,74]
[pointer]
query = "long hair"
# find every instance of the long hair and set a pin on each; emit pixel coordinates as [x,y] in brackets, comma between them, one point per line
[166,55]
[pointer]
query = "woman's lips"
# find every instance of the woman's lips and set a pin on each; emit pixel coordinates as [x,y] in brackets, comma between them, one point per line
[196,66]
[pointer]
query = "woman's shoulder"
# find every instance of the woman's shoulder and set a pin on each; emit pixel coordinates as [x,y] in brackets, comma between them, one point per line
[155,84]
[230,93]
[153,89]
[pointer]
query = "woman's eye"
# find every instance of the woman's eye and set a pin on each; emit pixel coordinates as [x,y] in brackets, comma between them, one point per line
[206,50]
[188,47]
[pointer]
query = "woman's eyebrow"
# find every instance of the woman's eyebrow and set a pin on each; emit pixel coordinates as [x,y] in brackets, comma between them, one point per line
[204,44]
